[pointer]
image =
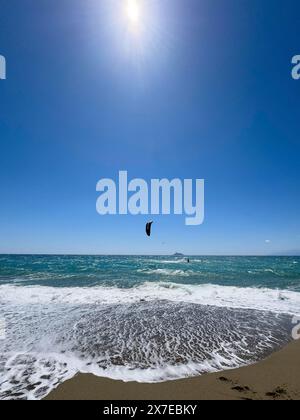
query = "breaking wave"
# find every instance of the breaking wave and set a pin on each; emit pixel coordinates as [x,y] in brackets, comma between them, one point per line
[150,333]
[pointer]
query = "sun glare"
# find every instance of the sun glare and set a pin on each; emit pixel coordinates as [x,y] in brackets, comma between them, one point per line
[133,11]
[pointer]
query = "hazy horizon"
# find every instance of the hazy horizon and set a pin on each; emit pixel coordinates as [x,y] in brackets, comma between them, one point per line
[297,254]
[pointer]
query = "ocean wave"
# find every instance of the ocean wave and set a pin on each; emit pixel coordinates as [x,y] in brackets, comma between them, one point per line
[150,333]
[166,272]
[175,261]
[265,270]
[270,270]
[153,341]
[277,301]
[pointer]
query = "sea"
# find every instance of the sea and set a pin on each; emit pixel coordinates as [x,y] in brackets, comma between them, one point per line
[139,318]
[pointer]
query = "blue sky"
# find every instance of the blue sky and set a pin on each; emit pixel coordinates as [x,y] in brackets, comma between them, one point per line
[204,90]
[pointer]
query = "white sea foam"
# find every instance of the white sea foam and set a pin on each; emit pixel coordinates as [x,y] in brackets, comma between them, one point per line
[278,301]
[177,261]
[131,334]
[166,272]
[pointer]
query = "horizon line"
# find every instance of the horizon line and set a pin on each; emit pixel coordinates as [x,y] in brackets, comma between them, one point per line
[148,255]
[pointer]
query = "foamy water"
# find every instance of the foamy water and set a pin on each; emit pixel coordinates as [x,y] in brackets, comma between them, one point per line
[277,301]
[163,327]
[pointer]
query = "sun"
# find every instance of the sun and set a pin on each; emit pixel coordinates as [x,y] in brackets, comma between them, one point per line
[133,11]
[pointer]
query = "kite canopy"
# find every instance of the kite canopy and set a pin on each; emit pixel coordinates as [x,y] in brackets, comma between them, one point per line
[148,228]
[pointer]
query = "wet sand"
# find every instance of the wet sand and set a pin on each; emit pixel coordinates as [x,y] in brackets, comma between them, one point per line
[276,378]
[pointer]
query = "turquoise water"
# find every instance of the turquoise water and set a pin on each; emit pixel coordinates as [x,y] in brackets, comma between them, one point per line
[146,319]
[126,272]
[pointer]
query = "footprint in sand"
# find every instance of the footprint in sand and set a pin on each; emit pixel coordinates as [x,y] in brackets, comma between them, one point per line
[277,393]
[236,387]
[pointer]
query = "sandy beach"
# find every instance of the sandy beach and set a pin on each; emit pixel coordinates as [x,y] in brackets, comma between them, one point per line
[276,378]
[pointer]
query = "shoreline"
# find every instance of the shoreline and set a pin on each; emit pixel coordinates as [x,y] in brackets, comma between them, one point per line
[275,378]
